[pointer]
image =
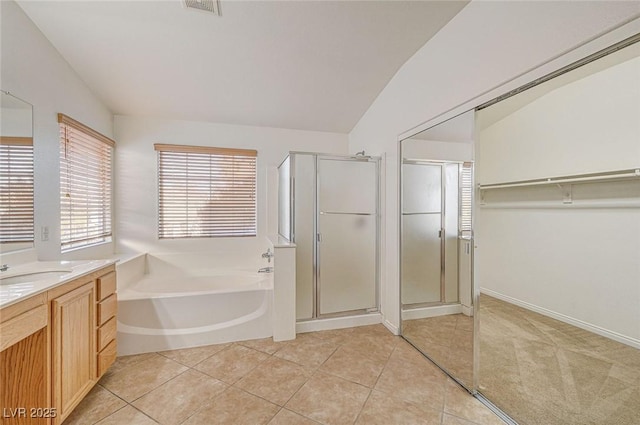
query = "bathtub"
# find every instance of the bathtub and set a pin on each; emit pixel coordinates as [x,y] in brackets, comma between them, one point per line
[166,306]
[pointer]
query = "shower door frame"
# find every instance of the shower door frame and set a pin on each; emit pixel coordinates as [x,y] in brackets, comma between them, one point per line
[316,289]
[317,278]
[443,209]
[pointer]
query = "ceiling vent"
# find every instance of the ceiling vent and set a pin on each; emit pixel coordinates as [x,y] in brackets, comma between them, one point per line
[209,6]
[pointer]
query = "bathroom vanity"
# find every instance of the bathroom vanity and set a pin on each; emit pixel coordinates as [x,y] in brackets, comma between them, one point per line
[57,338]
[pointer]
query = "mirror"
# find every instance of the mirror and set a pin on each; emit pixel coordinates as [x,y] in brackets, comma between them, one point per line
[436,244]
[558,257]
[16,174]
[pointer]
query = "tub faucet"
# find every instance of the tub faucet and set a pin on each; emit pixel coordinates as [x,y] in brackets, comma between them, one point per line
[268,255]
[4,268]
[266,270]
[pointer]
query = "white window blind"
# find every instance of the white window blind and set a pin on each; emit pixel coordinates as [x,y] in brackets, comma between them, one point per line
[466,199]
[86,158]
[16,189]
[206,192]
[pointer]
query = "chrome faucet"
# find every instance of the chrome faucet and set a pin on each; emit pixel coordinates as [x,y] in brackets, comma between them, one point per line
[266,270]
[268,255]
[4,268]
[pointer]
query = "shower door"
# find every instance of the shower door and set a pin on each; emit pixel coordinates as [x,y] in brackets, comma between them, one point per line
[422,232]
[347,235]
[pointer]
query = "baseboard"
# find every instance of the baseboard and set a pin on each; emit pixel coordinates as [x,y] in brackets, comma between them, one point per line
[339,323]
[424,312]
[392,328]
[564,318]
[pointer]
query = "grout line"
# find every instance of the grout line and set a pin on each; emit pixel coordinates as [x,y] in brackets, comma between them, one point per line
[363,405]
[109,415]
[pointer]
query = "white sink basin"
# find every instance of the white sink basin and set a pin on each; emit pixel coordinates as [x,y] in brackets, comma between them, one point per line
[32,276]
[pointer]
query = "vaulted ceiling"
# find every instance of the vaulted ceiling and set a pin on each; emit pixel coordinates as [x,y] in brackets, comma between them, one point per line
[312,65]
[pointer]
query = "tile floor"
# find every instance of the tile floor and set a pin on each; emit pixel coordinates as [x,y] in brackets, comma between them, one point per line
[360,375]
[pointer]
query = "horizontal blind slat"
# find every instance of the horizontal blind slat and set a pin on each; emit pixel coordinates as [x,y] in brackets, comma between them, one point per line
[85,185]
[16,192]
[206,192]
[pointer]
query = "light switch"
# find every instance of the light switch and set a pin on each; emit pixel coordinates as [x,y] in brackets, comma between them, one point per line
[44,233]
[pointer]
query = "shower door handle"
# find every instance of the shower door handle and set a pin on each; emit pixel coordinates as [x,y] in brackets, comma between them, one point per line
[318,237]
[440,233]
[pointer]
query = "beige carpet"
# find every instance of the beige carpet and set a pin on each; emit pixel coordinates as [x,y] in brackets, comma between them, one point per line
[538,370]
[545,372]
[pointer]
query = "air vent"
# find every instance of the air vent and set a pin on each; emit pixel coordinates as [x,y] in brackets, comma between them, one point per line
[209,6]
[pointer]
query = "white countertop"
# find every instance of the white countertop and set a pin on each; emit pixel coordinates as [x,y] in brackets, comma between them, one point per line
[13,293]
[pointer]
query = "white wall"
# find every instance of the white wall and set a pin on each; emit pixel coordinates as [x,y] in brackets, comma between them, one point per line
[33,70]
[16,122]
[487,49]
[588,126]
[136,177]
[583,264]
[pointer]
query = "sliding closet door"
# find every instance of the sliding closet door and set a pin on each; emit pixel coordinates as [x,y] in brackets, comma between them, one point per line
[347,236]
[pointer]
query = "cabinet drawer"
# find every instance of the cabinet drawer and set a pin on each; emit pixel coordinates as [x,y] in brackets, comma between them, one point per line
[106,333]
[106,285]
[21,326]
[106,357]
[107,309]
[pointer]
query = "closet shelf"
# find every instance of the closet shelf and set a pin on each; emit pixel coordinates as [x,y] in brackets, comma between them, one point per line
[629,174]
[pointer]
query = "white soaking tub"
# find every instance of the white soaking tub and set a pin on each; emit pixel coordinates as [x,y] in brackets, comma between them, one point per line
[169,308]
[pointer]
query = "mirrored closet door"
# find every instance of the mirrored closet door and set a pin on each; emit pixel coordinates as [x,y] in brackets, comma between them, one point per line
[436,245]
[558,246]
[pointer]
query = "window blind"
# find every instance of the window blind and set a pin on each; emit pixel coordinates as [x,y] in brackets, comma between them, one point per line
[206,191]
[16,189]
[86,158]
[466,199]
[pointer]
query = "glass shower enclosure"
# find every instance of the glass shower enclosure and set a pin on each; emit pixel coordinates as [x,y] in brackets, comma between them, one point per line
[328,206]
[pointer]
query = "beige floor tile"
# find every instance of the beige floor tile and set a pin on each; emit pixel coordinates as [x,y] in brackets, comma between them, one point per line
[453,420]
[352,365]
[127,415]
[338,336]
[232,363]
[287,417]
[266,345]
[135,380]
[329,400]
[275,380]
[235,407]
[97,405]
[407,353]
[176,400]
[192,356]
[126,361]
[382,409]
[463,405]
[413,379]
[308,350]
[377,347]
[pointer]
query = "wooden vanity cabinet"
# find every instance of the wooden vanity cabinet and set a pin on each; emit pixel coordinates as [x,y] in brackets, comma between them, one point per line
[107,303]
[79,335]
[23,341]
[55,346]
[73,347]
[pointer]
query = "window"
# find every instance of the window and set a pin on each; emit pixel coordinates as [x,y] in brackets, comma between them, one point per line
[206,192]
[16,189]
[466,199]
[86,158]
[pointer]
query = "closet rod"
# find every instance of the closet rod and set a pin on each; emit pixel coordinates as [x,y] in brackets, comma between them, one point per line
[580,178]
